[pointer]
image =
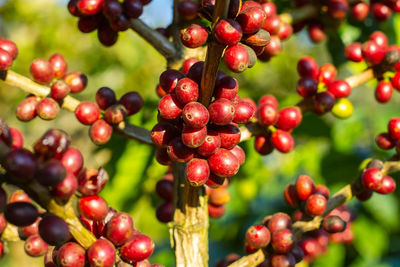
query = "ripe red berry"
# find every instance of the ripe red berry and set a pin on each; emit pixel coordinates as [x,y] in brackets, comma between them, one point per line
[90,7]
[210,145]
[9,47]
[282,260]
[238,152]
[226,87]
[267,115]
[380,11]
[187,10]
[290,195]
[71,254]
[307,67]
[327,73]
[197,171]
[316,31]
[115,114]
[304,187]
[282,241]
[101,253]
[169,107]
[279,221]
[244,111]
[6,60]
[384,141]
[236,58]
[228,32]
[337,9]
[272,24]
[333,224]
[195,115]
[66,188]
[105,97]
[77,81]
[251,19]
[339,88]
[315,205]
[35,246]
[162,133]
[93,207]
[41,71]
[322,190]
[187,90]
[59,90]
[388,185]
[282,140]
[194,36]
[372,52]
[59,65]
[396,81]
[359,11]
[119,229]
[223,163]
[379,38]
[221,111]
[372,178]
[100,132]
[193,137]
[132,101]
[229,135]
[394,128]
[383,92]
[268,100]
[139,248]
[87,112]
[177,151]
[258,236]
[353,52]
[17,138]
[26,110]
[289,118]
[47,109]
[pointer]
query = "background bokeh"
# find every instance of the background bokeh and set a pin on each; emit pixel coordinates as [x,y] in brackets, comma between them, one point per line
[328,149]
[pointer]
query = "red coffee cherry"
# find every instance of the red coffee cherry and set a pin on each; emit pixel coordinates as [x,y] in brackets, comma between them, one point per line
[188,63]
[272,24]
[228,32]
[41,71]
[251,19]
[339,88]
[236,58]
[169,79]
[21,164]
[315,205]
[9,46]
[381,12]
[47,109]
[35,246]
[51,173]
[316,31]
[132,8]
[333,224]
[162,133]
[100,132]
[250,3]
[90,7]
[105,97]
[353,52]
[87,112]
[59,90]
[72,160]
[388,185]
[290,195]
[221,111]
[268,100]
[372,53]
[59,65]
[360,11]
[132,101]
[229,135]
[194,36]
[187,10]
[267,115]
[66,188]
[77,81]
[289,118]
[337,9]
[19,196]
[6,60]
[210,145]
[379,38]
[101,253]
[269,8]
[372,178]
[304,187]
[322,190]
[282,140]
[238,152]
[26,110]
[21,213]
[307,67]
[244,112]
[384,141]
[115,114]
[364,195]
[324,102]
[394,128]
[139,248]
[71,254]
[119,229]
[223,163]
[52,144]
[195,115]
[164,189]
[279,221]
[307,87]
[396,81]
[285,31]
[169,107]
[226,87]
[195,71]
[215,181]
[177,151]
[327,73]
[197,172]
[187,90]
[164,212]
[384,91]
[17,138]
[258,236]
[282,241]
[215,211]
[93,207]
[193,137]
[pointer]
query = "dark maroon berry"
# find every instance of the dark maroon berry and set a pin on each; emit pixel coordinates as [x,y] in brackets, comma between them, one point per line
[228,32]
[187,90]
[87,112]
[333,224]
[282,240]
[52,144]
[384,91]
[164,212]
[307,67]
[77,81]
[41,71]
[169,107]
[194,36]
[251,19]
[105,97]
[339,88]
[372,178]
[93,208]
[196,71]
[132,101]
[227,87]
[3,202]
[229,135]
[112,9]
[9,46]
[324,102]
[47,109]
[59,65]
[290,196]
[100,132]
[51,173]
[119,228]
[223,163]
[364,195]
[187,10]
[177,151]
[169,79]
[106,35]
[307,87]
[6,60]
[59,90]
[236,58]
[221,111]
[140,247]
[26,110]
[304,187]
[193,137]
[133,8]
[164,189]
[279,221]
[21,164]
[315,205]
[5,134]
[215,181]
[197,171]
[188,63]
[162,156]
[89,23]
[71,254]
[21,213]
[263,144]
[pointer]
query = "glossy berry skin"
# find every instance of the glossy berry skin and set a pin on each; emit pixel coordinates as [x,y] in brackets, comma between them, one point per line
[164,212]
[210,145]
[221,111]
[372,53]
[177,151]
[59,65]
[304,187]
[229,135]
[119,229]
[315,205]
[35,246]
[188,63]
[267,115]
[394,128]
[238,152]
[66,188]
[359,11]
[100,132]
[379,38]
[290,196]
[93,208]
[90,23]
[72,160]
[282,241]
[380,12]
[162,133]
[101,253]
[112,9]
[164,189]
[77,81]
[268,100]
[289,118]
[307,67]
[343,108]
[333,224]
[105,97]
[194,36]
[307,87]
[21,164]
[279,221]
[226,87]
[51,173]
[47,109]
[52,144]
[132,101]
[388,185]
[384,141]
[323,102]
[106,35]
[115,114]
[384,91]
[41,71]
[327,73]
[71,254]
[273,24]
[187,90]
[236,58]
[228,32]
[282,141]
[139,248]
[396,81]
[59,90]
[316,31]
[26,109]
[169,107]
[339,88]
[244,112]
[5,60]
[258,236]
[87,112]
[223,163]
[322,190]
[251,19]
[132,8]
[187,10]
[9,47]
[197,171]
[169,79]
[195,115]
[90,7]
[193,137]
[21,213]
[372,178]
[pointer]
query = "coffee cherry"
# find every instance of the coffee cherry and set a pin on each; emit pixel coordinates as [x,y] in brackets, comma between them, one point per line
[251,19]
[66,188]
[5,134]
[112,9]
[41,71]
[210,145]
[132,8]
[221,111]
[21,213]
[17,139]
[106,35]
[162,156]
[215,211]
[223,163]
[244,112]
[268,100]
[177,151]
[164,189]
[119,229]
[52,144]
[282,140]
[100,132]
[290,195]
[272,24]
[267,115]
[26,110]
[322,190]
[162,133]
[188,63]
[388,185]
[236,58]
[384,141]
[140,247]
[215,181]
[115,114]
[315,205]
[59,90]
[323,102]
[372,178]
[282,241]
[6,60]
[90,7]
[327,73]
[372,53]
[380,12]
[359,11]
[364,195]
[280,260]
[333,224]
[19,196]
[59,65]
[187,10]
[195,71]
[187,91]
[339,88]
[394,128]
[307,87]
[169,79]
[258,236]
[3,202]
[238,152]
[229,135]
[21,164]
[105,97]
[228,32]
[77,81]
[72,160]
[250,3]
[101,253]
[47,109]
[379,38]
[87,112]
[9,47]
[343,108]
[227,87]
[285,31]
[51,173]
[195,115]
[197,172]
[90,23]
[164,212]
[307,67]
[289,118]
[337,9]
[194,36]
[169,107]
[93,208]
[383,92]
[35,246]
[316,31]
[132,101]
[304,187]
[193,137]
[71,254]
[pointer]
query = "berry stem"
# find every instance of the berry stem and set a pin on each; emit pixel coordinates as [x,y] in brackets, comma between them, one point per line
[360,78]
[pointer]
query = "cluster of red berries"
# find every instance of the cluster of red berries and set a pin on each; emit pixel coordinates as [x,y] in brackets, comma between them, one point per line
[320,85]
[381,10]
[107,16]
[115,111]
[187,131]
[279,124]
[59,168]
[8,52]
[390,139]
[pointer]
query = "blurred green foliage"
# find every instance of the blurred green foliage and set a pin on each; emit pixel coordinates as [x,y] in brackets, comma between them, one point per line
[328,149]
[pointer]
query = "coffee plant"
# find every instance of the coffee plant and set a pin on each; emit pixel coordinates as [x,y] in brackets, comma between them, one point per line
[256,103]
